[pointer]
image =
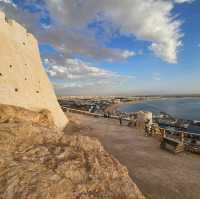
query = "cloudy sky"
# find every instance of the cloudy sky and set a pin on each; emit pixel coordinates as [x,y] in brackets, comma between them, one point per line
[115,47]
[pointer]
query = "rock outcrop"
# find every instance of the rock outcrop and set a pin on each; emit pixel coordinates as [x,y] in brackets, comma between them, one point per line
[23,81]
[40,162]
[15,114]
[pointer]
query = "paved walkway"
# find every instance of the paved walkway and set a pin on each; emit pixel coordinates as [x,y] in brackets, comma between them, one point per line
[159,174]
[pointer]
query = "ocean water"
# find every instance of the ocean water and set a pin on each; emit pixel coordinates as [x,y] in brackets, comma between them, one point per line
[184,108]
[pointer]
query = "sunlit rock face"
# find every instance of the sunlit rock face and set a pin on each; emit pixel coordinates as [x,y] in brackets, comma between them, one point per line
[9,113]
[38,161]
[23,81]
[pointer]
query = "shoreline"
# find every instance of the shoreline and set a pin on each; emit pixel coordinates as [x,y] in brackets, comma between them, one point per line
[113,107]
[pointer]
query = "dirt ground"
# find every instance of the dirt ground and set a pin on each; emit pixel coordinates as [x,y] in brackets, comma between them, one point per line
[158,174]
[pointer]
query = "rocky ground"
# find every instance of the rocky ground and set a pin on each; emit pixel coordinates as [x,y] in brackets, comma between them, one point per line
[158,174]
[38,161]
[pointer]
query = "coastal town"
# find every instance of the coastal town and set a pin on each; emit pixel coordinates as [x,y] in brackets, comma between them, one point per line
[109,107]
[99,104]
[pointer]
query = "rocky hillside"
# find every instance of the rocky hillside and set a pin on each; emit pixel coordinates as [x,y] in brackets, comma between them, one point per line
[38,161]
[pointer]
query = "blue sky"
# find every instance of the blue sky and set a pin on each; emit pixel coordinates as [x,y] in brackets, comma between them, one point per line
[113,47]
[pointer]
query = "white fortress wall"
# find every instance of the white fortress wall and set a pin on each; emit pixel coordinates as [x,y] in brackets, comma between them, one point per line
[23,80]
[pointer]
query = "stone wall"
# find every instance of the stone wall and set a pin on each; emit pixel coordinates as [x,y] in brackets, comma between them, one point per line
[142,117]
[23,81]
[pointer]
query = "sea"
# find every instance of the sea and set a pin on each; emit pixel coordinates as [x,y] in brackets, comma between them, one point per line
[180,108]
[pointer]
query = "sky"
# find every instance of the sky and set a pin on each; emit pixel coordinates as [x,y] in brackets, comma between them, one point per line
[114,47]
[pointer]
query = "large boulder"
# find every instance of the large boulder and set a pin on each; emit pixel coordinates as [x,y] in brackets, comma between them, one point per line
[23,81]
[40,162]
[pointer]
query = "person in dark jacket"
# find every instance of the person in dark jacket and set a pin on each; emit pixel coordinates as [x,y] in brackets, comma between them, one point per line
[120,120]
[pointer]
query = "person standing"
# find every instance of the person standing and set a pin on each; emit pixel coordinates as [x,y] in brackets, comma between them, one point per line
[120,120]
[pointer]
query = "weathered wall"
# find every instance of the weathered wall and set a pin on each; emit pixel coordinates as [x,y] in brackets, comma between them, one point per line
[23,81]
[142,117]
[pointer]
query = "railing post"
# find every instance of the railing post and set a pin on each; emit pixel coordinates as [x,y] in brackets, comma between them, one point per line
[163,133]
[182,137]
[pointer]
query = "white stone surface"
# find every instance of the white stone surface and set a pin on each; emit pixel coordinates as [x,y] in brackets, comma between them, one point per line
[23,81]
[142,117]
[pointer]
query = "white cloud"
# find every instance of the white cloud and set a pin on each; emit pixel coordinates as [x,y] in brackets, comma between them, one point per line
[8,2]
[149,20]
[75,69]
[183,1]
[126,54]
[65,39]
[5,1]
[81,42]
[156,77]
[76,73]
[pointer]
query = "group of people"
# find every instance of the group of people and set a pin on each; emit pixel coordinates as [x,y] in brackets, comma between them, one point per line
[108,115]
[147,126]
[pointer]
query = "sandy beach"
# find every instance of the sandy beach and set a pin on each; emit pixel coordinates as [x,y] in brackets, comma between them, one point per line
[114,107]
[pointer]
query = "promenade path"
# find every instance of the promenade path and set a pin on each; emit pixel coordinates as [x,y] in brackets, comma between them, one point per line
[158,174]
